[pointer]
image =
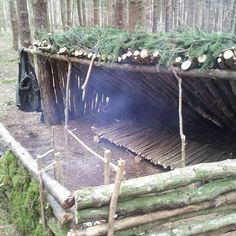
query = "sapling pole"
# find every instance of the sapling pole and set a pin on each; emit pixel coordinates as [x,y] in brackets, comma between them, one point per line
[114,197]
[67,105]
[181,131]
[59,169]
[53,147]
[41,192]
[107,160]
[84,86]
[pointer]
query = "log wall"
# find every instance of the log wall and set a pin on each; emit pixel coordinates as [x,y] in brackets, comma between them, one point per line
[203,195]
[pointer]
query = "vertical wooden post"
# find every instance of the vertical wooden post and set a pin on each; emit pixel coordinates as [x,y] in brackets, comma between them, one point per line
[39,163]
[114,197]
[107,157]
[67,95]
[59,174]
[181,129]
[53,147]
[67,105]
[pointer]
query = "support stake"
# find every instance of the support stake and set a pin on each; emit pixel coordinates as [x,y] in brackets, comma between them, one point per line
[181,129]
[114,197]
[39,163]
[107,160]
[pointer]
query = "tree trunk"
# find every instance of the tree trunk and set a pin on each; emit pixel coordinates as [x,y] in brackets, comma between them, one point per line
[168,19]
[14,24]
[136,14]
[233,16]
[63,14]
[79,12]
[84,12]
[119,14]
[50,110]
[40,11]
[51,16]
[95,12]
[69,13]
[25,34]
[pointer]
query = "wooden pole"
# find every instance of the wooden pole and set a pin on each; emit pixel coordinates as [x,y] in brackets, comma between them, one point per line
[181,131]
[41,194]
[67,94]
[107,160]
[59,169]
[114,197]
[194,73]
[84,86]
[89,149]
[67,105]
[53,147]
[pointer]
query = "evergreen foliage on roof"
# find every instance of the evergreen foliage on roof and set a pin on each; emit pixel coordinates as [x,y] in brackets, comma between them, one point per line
[189,43]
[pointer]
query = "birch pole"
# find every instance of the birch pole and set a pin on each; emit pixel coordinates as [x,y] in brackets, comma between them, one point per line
[181,129]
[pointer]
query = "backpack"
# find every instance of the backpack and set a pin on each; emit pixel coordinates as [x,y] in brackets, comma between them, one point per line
[27,91]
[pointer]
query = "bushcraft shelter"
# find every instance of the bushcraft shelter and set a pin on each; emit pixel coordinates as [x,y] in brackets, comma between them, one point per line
[131,79]
[144,91]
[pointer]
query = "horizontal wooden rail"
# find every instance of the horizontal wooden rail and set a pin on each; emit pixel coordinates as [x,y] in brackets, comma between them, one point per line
[58,191]
[90,150]
[194,73]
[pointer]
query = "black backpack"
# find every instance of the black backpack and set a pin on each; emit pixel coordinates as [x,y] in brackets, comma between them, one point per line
[27,91]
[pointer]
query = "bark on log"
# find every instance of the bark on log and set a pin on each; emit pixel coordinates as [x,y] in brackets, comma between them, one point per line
[186,219]
[59,192]
[62,215]
[47,91]
[151,203]
[201,226]
[98,196]
[195,73]
[133,221]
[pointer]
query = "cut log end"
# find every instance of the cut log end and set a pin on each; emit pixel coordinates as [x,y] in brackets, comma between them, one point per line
[202,59]
[144,54]
[186,65]
[228,54]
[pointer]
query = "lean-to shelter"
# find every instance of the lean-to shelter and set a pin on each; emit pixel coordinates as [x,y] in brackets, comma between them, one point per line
[131,81]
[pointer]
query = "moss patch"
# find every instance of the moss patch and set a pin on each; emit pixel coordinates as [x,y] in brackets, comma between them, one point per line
[19,196]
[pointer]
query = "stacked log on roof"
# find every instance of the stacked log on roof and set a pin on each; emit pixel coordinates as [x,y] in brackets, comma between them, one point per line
[188,48]
[140,58]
